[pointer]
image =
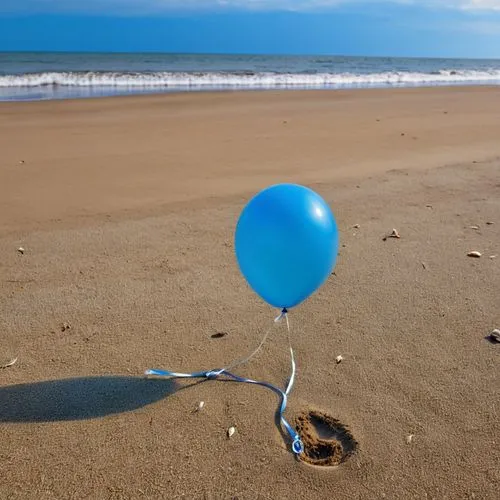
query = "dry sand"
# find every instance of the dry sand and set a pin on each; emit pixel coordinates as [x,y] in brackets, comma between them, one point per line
[126,207]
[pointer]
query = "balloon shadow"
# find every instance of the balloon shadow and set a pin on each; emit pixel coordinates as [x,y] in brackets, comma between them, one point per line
[80,398]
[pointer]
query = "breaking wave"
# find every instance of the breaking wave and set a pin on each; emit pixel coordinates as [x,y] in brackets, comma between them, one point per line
[248,80]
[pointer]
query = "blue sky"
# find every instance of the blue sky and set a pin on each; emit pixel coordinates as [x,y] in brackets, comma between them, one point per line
[435,28]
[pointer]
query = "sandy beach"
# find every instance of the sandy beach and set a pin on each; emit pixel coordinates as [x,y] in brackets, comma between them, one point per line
[125,209]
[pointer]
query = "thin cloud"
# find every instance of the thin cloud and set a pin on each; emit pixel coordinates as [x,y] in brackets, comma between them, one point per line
[482,5]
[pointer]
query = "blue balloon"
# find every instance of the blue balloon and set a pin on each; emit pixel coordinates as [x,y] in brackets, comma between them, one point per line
[286,243]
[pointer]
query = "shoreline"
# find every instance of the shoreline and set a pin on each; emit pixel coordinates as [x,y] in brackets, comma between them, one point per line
[153,93]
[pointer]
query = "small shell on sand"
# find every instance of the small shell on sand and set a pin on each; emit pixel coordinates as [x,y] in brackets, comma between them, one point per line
[494,336]
[409,438]
[489,223]
[474,227]
[21,250]
[493,256]
[201,404]
[10,363]
[339,359]
[474,254]
[356,226]
[394,234]
[231,431]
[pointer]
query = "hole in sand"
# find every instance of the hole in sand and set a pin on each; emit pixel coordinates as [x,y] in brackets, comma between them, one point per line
[327,442]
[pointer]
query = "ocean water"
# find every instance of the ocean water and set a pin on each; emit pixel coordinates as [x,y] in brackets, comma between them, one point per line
[34,76]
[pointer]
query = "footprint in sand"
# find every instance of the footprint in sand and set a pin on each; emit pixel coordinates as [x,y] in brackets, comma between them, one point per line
[327,442]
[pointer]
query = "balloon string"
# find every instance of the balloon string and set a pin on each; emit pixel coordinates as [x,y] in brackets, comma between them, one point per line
[297,445]
[292,357]
[242,361]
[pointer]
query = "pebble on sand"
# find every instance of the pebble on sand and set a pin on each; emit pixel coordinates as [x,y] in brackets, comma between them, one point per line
[356,226]
[231,431]
[489,223]
[475,254]
[21,250]
[339,359]
[409,438]
[218,335]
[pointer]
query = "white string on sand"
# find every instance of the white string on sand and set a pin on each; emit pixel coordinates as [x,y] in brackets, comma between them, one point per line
[297,445]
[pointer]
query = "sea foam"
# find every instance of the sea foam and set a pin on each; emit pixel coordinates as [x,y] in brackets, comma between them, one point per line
[187,80]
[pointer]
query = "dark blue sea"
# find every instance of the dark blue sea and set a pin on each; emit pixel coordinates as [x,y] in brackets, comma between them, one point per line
[34,76]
